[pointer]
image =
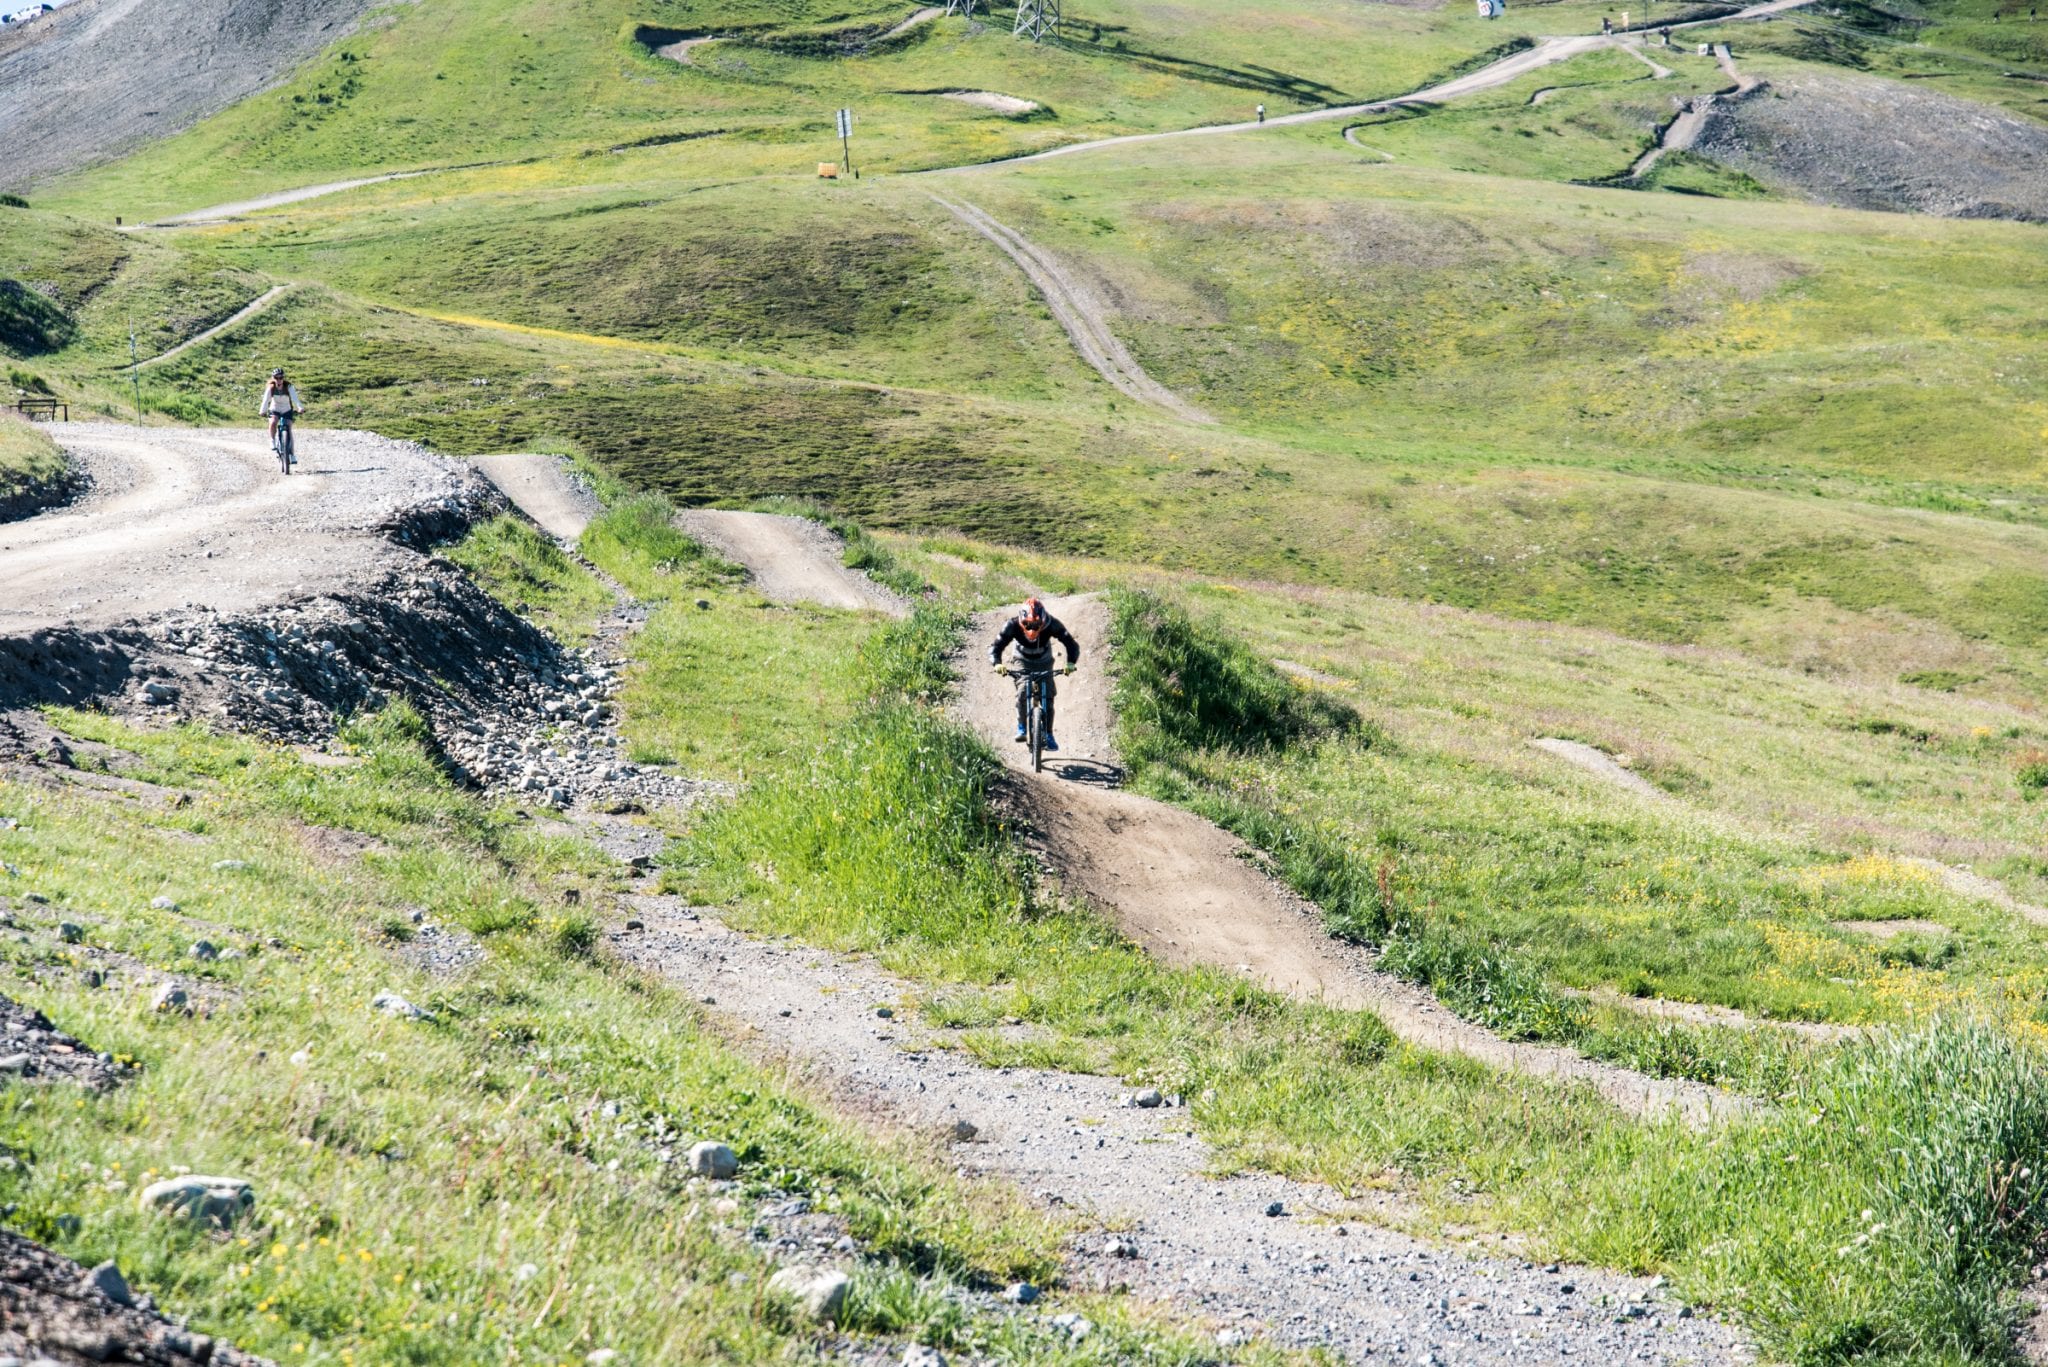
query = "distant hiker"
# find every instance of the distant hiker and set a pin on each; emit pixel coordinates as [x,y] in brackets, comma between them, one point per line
[280,399]
[1262,113]
[1033,630]
[1606,24]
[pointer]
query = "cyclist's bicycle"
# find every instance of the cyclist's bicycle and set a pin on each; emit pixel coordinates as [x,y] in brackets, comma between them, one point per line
[1035,700]
[281,443]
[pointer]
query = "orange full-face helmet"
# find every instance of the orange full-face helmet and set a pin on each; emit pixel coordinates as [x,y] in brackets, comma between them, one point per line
[1031,621]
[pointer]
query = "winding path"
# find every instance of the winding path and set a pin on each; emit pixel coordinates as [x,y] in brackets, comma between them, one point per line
[220,213]
[228,324]
[1191,894]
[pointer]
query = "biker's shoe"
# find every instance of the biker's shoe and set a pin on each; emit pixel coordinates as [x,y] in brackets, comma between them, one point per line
[1051,745]
[1019,737]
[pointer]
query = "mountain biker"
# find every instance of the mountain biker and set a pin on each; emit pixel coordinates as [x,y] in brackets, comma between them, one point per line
[1033,630]
[280,398]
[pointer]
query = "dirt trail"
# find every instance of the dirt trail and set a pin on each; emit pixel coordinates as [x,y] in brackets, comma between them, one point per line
[239,317]
[792,559]
[1601,764]
[679,51]
[1190,893]
[1325,1274]
[542,488]
[1965,883]
[202,518]
[216,213]
[1682,132]
[1657,72]
[1079,312]
[923,16]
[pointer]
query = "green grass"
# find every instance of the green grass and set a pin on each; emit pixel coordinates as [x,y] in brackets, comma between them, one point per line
[405,1171]
[30,462]
[522,566]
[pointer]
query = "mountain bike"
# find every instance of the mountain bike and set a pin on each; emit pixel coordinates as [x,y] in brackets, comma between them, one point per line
[1035,701]
[281,443]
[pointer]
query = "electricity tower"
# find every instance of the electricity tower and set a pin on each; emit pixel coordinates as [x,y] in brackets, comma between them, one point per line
[963,8]
[1038,20]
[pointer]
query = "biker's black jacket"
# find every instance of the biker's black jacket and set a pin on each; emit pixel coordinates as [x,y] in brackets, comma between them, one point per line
[1035,658]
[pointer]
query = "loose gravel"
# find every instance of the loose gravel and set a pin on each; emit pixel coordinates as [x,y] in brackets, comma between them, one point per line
[1314,1275]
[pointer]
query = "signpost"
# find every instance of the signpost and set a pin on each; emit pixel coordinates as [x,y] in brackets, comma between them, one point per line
[845,140]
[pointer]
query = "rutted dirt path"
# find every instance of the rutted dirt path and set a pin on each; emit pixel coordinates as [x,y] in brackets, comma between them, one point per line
[1320,1275]
[1682,132]
[1601,764]
[1189,892]
[216,213]
[791,559]
[228,324]
[1079,312]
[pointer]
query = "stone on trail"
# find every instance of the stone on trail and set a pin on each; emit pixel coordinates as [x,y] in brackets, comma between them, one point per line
[1277,1209]
[1145,1098]
[963,1131]
[391,1004]
[820,1292]
[170,997]
[25,1064]
[1120,1247]
[204,950]
[71,933]
[1021,1293]
[162,904]
[212,1200]
[714,1160]
[107,1280]
[918,1355]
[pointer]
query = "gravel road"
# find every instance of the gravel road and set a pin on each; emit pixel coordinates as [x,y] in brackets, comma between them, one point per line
[1320,1275]
[202,518]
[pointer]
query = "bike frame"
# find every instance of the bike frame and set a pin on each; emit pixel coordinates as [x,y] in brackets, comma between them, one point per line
[1034,716]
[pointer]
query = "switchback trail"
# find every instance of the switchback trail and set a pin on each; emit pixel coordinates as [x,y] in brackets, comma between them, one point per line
[183,518]
[235,320]
[1682,132]
[1079,312]
[1189,893]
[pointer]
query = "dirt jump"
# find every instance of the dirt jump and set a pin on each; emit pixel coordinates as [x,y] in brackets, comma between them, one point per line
[1190,893]
[543,488]
[791,559]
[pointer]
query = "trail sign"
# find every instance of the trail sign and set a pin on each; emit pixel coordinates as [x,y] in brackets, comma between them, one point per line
[845,145]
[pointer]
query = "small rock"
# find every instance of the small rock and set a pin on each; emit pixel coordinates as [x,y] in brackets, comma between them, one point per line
[1277,1209]
[108,1281]
[24,1064]
[598,1357]
[918,1355]
[1525,1308]
[71,933]
[391,1004]
[1020,1293]
[230,865]
[1075,1327]
[525,1272]
[885,1012]
[820,1292]
[214,1200]
[170,997]
[704,605]
[713,1160]
[962,1131]
[1146,1098]
[1232,1338]
[636,925]
[1121,1247]
[162,904]
[301,1058]
[1567,1288]
[204,950]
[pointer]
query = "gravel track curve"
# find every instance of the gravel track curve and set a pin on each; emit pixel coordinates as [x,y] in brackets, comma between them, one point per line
[201,518]
[1190,893]
[1322,1275]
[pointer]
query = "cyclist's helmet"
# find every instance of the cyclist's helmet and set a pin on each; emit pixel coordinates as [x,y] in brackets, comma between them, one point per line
[1031,621]
[277,374]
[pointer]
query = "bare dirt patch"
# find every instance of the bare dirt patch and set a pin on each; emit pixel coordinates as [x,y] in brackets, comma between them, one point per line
[989,99]
[1863,142]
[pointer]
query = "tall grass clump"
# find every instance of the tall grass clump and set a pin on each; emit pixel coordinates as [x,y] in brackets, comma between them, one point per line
[637,541]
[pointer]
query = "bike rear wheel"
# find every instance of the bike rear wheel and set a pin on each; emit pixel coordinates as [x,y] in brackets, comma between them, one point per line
[1035,712]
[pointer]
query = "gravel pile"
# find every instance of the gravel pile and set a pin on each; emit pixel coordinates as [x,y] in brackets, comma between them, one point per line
[53,1310]
[1862,142]
[32,1047]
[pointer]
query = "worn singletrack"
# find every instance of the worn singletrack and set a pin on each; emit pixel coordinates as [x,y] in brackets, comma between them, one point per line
[240,316]
[541,487]
[791,559]
[1079,313]
[1191,895]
